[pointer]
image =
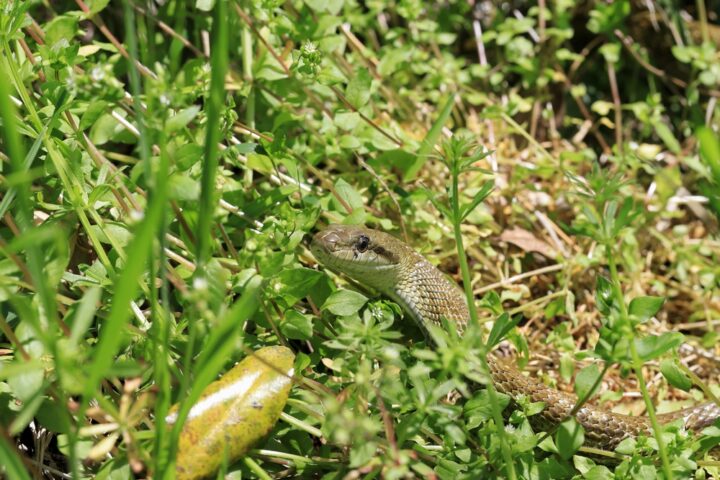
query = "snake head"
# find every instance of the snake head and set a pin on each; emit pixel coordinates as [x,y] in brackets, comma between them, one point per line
[359,252]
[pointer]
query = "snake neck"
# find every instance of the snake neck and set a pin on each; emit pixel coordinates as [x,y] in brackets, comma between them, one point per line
[427,295]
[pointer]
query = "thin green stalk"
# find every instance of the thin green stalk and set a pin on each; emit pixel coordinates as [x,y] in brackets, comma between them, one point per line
[160,332]
[296,422]
[247,61]
[527,306]
[467,285]
[247,58]
[256,469]
[699,383]
[135,87]
[703,20]
[637,365]
[524,133]
[218,62]
[298,459]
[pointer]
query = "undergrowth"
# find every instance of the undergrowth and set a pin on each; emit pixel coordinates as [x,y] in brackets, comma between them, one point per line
[163,163]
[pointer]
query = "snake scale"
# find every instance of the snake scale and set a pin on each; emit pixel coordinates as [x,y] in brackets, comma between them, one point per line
[386,264]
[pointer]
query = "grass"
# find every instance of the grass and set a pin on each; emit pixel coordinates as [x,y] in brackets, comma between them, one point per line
[162,166]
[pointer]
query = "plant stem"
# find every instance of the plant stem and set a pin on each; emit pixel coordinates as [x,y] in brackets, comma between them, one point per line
[256,469]
[247,62]
[465,269]
[637,364]
[296,422]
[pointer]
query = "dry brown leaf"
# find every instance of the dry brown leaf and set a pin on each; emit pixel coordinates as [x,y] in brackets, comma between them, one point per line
[527,241]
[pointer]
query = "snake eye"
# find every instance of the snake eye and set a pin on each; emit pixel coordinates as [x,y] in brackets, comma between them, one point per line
[362,244]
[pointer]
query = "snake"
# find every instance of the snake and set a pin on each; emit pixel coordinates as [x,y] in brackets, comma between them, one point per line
[380,261]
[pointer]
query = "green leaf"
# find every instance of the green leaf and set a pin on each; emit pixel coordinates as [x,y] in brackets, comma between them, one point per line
[181,119]
[62,27]
[583,464]
[567,367]
[653,346]
[82,447]
[188,155]
[26,385]
[347,120]
[84,311]
[478,409]
[604,296]
[358,90]
[586,379]
[296,325]
[481,195]
[104,129]
[710,151]
[53,417]
[682,53]
[183,187]
[440,205]
[26,415]
[96,6]
[113,233]
[296,283]
[348,194]
[611,52]
[491,301]
[214,133]
[260,163]
[204,5]
[92,113]
[430,139]
[599,472]
[344,302]
[626,446]
[362,454]
[625,215]
[645,307]
[674,375]
[569,438]
[503,324]
[666,135]
[533,408]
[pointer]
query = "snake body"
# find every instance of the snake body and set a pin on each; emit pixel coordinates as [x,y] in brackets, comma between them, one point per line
[390,266]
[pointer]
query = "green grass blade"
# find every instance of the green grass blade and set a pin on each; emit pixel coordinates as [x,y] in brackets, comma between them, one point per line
[32,153]
[430,140]
[218,62]
[12,465]
[710,151]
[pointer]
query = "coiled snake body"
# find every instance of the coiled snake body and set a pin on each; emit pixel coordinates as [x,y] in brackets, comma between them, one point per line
[384,263]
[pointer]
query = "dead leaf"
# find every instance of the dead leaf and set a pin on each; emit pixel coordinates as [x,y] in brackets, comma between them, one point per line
[527,242]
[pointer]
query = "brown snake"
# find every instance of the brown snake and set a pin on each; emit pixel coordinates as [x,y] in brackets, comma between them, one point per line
[384,263]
